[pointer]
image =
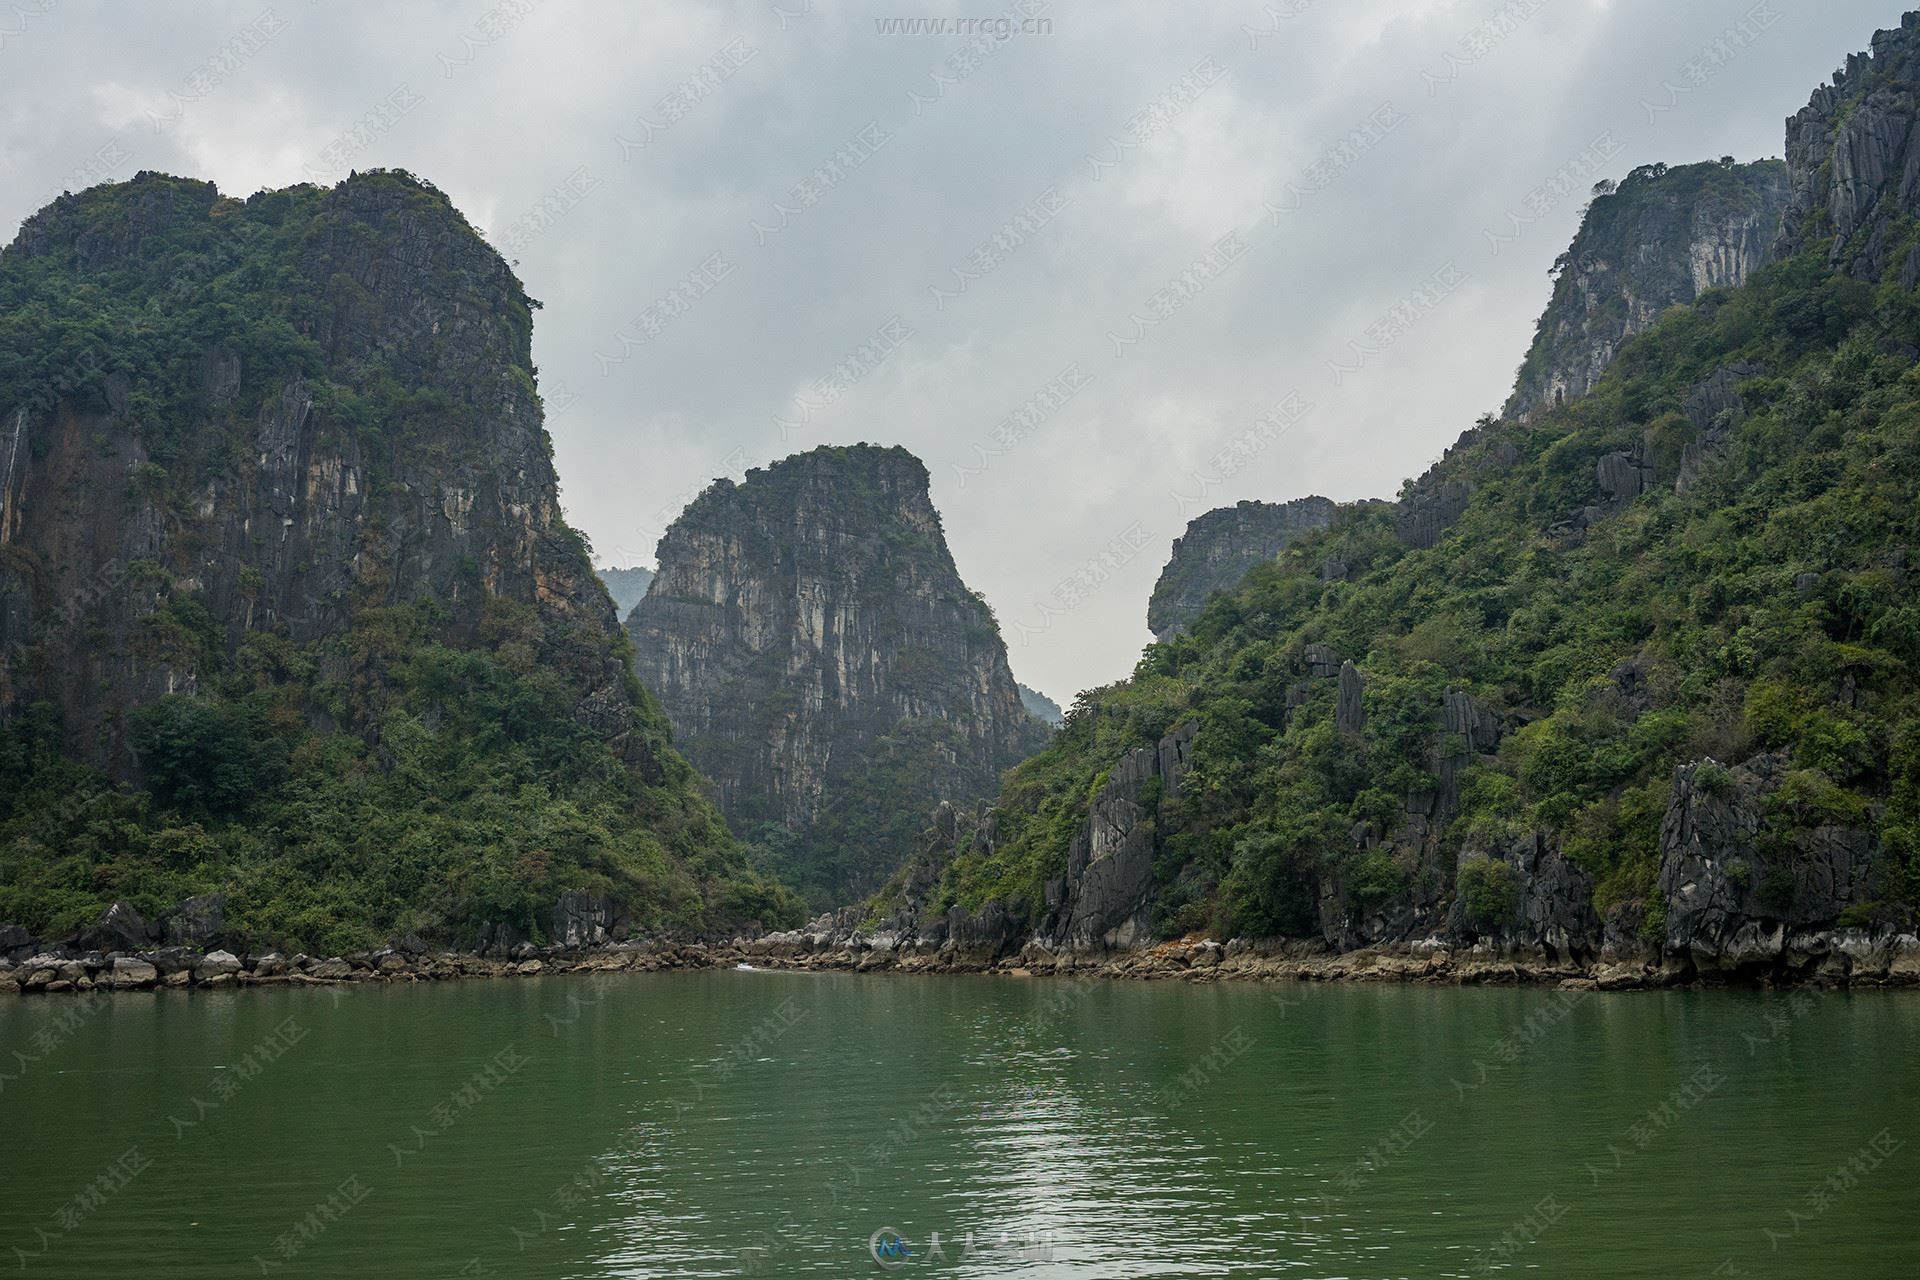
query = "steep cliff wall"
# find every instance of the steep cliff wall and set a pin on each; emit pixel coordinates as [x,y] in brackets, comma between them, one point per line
[1854,155]
[1664,237]
[1217,550]
[281,551]
[339,420]
[823,664]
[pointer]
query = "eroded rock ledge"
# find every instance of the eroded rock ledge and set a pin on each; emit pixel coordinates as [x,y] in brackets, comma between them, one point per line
[1853,958]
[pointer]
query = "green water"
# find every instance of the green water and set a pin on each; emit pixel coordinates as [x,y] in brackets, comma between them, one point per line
[711,1124]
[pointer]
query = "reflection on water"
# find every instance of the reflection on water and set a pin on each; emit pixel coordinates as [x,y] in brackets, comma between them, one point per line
[779,1124]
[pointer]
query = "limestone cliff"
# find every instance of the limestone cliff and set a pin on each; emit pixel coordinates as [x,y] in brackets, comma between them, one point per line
[281,549]
[1854,155]
[1217,550]
[822,662]
[1663,237]
[223,477]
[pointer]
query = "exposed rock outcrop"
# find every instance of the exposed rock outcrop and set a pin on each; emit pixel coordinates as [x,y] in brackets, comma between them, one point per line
[1350,714]
[1853,159]
[822,662]
[1663,237]
[583,919]
[1108,893]
[1217,550]
[1741,887]
[1714,407]
[1432,502]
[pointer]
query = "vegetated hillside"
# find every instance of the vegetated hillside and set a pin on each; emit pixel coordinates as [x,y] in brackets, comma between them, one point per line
[289,610]
[1635,677]
[821,660]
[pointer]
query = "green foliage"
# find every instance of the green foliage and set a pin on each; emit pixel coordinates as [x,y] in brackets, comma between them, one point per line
[1373,879]
[207,759]
[1269,889]
[1490,889]
[1713,779]
[473,794]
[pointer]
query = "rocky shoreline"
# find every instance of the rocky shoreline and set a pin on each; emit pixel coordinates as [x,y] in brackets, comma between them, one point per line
[1845,958]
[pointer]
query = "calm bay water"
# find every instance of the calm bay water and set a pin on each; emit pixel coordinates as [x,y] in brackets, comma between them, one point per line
[711,1124]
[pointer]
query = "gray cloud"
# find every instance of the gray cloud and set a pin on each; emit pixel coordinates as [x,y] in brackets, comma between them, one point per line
[1130,162]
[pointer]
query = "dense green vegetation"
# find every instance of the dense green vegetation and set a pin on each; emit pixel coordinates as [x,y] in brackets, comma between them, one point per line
[473,796]
[425,766]
[1771,606]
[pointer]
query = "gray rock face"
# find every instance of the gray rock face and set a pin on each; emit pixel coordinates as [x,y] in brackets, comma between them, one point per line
[1621,477]
[1321,661]
[1624,476]
[1853,157]
[1663,237]
[1350,714]
[1737,892]
[215,964]
[816,652]
[131,973]
[1707,874]
[982,936]
[1714,407]
[120,928]
[1434,501]
[1460,714]
[170,960]
[499,940]
[1431,507]
[1108,893]
[1555,914]
[1217,550]
[583,919]
[196,921]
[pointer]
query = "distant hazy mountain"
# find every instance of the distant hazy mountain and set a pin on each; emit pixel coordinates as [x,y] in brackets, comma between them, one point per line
[1043,707]
[626,586]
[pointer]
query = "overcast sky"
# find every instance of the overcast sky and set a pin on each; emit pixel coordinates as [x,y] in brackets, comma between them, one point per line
[1202,211]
